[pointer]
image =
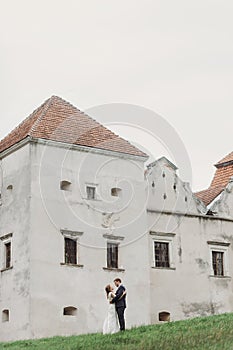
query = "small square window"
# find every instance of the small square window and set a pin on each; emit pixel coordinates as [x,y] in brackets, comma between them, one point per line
[91,192]
[115,192]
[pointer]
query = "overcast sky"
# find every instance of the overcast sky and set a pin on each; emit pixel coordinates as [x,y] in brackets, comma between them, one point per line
[173,57]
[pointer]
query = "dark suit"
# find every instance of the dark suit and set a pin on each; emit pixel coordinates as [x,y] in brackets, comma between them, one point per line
[120,304]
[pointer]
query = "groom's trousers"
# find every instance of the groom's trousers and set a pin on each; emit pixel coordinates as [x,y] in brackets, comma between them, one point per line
[120,313]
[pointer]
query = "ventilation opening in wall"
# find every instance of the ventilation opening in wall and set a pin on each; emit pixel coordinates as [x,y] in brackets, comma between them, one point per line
[164,316]
[5,315]
[70,311]
[115,191]
[10,188]
[65,185]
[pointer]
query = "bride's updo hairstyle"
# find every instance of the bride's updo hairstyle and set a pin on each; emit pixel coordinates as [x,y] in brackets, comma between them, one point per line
[108,289]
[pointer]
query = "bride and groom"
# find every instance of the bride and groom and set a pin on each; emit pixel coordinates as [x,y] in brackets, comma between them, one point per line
[116,308]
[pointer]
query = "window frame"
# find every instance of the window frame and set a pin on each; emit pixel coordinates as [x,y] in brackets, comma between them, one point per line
[167,253]
[219,247]
[92,186]
[116,245]
[74,236]
[5,240]
[163,237]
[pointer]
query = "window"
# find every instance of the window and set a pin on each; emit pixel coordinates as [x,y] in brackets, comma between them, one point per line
[219,258]
[70,311]
[70,251]
[7,255]
[65,185]
[112,255]
[217,261]
[115,192]
[164,316]
[5,315]
[91,192]
[161,251]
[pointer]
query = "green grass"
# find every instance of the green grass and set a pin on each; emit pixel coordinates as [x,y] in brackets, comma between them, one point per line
[214,332]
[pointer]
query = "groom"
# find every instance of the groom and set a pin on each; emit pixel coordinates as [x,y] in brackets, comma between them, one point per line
[120,303]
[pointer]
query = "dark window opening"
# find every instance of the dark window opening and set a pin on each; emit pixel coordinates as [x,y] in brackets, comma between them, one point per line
[161,254]
[91,192]
[112,255]
[164,316]
[5,315]
[65,185]
[8,254]
[70,251]
[115,192]
[217,260]
[70,311]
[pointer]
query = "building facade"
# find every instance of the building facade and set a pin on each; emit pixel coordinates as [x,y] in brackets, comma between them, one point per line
[78,209]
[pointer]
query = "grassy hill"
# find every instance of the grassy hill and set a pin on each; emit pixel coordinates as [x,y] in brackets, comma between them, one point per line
[214,332]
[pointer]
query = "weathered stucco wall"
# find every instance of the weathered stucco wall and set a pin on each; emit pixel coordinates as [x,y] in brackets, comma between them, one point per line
[55,286]
[155,207]
[188,288]
[14,220]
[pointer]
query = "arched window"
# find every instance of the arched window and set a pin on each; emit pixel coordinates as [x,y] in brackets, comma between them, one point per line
[65,185]
[5,315]
[70,311]
[9,187]
[164,316]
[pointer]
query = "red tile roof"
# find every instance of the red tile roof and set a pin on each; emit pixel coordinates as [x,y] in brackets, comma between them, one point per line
[221,178]
[228,158]
[60,121]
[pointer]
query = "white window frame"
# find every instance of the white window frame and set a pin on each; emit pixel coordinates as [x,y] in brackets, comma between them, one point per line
[217,247]
[164,238]
[117,241]
[74,235]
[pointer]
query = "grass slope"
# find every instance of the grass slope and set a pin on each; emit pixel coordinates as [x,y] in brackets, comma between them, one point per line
[204,333]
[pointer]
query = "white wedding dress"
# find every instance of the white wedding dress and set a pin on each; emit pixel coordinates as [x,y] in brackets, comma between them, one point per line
[111,321]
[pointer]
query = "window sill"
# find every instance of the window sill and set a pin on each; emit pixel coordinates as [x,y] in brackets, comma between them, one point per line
[7,268]
[216,276]
[113,269]
[71,265]
[163,268]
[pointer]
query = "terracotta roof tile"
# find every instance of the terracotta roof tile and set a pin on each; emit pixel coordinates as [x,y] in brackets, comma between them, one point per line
[60,121]
[228,158]
[221,178]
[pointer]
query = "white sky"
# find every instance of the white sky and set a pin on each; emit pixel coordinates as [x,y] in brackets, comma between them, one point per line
[173,57]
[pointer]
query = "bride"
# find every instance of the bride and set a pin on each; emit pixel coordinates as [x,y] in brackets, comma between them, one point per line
[111,322]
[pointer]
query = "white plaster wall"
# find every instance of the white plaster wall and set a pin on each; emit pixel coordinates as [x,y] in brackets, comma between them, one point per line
[224,205]
[14,218]
[168,192]
[54,286]
[189,290]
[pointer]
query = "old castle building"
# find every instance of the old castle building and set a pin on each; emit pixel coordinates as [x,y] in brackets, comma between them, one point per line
[77,209]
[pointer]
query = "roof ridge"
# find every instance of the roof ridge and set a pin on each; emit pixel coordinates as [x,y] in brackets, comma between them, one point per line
[43,112]
[81,129]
